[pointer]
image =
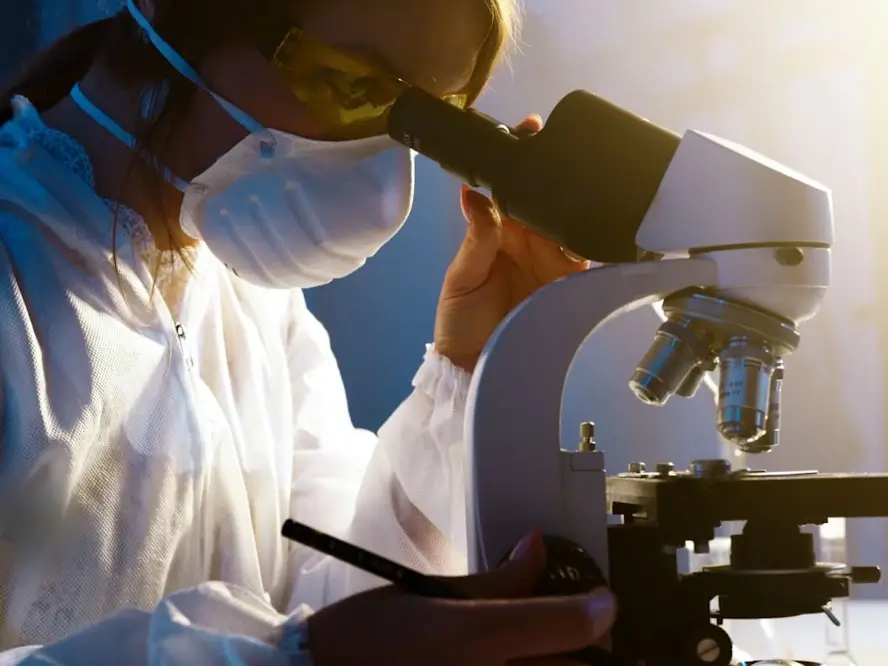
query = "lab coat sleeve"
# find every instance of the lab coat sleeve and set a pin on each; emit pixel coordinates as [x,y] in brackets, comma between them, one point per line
[400,495]
[212,624]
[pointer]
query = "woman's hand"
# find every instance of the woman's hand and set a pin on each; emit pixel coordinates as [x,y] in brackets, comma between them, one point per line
[387,627]
[499,264]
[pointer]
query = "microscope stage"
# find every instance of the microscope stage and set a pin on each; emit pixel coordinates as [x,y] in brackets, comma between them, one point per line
[683,501]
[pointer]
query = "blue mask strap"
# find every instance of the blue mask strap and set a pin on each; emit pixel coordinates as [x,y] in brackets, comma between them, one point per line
[186,70]
[103,119]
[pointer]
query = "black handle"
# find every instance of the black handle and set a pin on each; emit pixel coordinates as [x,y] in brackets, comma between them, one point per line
[410,580]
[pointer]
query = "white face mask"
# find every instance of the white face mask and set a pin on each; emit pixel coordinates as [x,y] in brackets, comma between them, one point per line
[283,211]
[310,214]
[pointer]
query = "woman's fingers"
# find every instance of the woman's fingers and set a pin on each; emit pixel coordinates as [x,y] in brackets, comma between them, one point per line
[533,123]
[550,261]
[536,259]
[480,247]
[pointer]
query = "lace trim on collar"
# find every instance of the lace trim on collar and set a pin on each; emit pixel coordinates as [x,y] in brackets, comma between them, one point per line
[74,157]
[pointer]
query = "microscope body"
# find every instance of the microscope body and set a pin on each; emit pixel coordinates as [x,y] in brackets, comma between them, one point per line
[734,294]
[745,248]
[745,245]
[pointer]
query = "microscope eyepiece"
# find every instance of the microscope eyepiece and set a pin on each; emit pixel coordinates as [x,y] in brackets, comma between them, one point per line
[466,143]
[585,181]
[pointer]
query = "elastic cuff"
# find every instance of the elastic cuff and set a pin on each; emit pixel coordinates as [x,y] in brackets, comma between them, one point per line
[294,638]
[440,379]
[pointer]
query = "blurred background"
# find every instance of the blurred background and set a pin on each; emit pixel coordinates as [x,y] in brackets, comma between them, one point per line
[803,81]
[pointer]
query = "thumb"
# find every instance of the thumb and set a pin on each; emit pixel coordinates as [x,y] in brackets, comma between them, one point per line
[476,255]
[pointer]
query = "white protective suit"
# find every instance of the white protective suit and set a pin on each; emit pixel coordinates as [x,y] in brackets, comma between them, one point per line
[148,445]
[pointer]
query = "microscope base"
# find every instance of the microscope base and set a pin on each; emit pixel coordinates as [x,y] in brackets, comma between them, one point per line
[773,572]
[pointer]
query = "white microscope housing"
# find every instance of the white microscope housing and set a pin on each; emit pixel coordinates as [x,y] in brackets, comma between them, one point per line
[746,258]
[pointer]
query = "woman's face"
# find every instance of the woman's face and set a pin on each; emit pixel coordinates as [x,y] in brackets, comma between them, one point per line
[433,44]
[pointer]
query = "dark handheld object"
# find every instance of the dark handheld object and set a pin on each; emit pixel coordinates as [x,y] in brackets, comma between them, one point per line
[585,181]
[419,584]
[410,580]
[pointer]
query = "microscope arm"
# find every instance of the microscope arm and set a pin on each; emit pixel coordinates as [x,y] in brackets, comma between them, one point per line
[518,478]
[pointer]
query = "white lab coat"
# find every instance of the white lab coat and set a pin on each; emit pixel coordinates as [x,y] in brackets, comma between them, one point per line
[136,461]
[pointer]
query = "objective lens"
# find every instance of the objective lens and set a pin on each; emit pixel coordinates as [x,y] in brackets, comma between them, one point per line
[688,388]
[676,352]
[771,439]
[744,391]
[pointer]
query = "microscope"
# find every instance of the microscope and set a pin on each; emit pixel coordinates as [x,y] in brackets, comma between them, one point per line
[736,247]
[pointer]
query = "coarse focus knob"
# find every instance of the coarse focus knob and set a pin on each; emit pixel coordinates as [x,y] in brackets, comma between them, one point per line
[569,569]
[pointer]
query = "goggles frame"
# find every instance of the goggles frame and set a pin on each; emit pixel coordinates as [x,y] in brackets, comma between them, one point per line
[282,35]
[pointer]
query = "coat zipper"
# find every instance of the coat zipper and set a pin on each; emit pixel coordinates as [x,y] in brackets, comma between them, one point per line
[183,344]
[199,517]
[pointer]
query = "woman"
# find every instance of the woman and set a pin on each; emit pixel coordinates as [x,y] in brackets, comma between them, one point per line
[170,179]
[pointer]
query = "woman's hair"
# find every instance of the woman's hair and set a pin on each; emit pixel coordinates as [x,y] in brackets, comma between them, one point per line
[194,28]
[501,39]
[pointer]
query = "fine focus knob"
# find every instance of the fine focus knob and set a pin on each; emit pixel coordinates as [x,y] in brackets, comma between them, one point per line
[569,569]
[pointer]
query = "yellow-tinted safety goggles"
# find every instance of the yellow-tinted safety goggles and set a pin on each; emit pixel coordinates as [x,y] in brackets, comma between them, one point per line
[347,95]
